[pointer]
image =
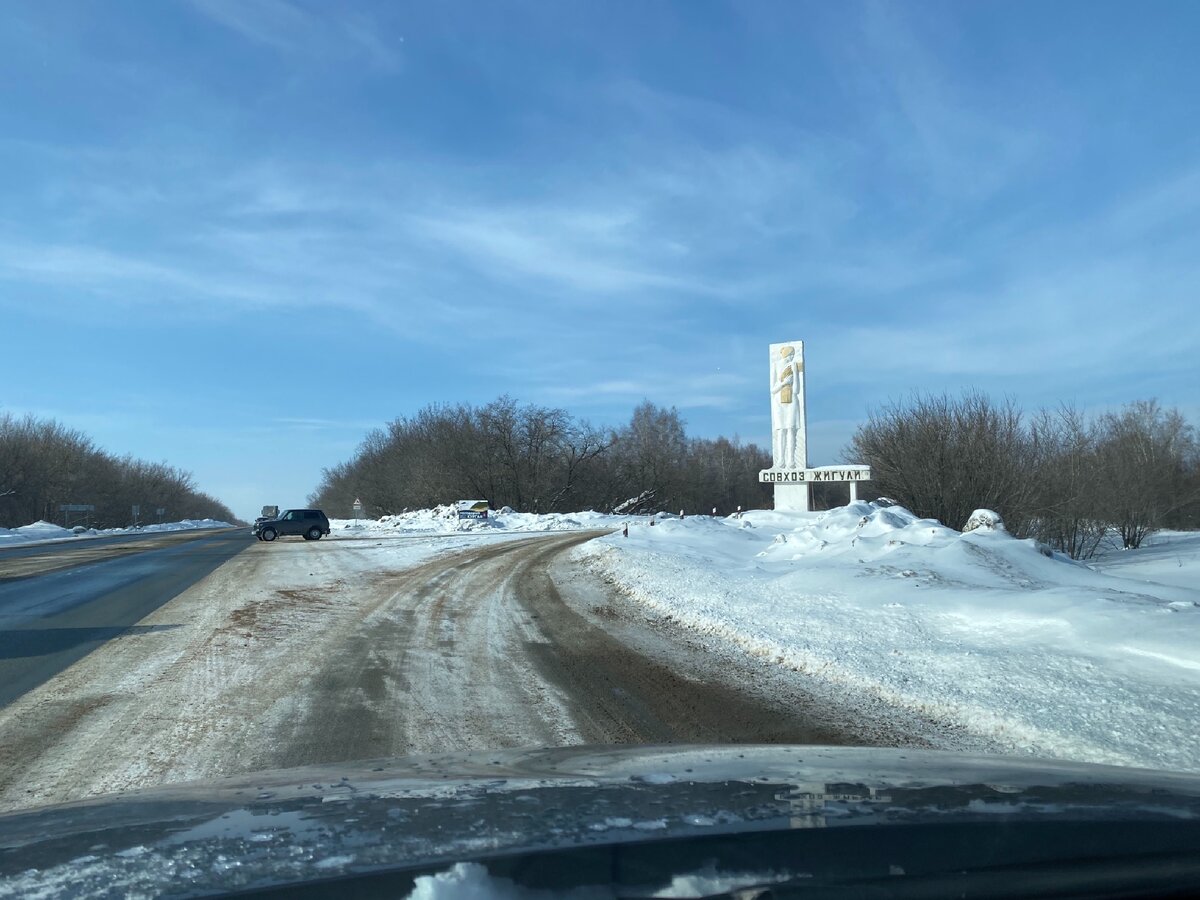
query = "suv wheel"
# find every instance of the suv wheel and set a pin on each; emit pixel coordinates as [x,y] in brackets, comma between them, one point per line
[313,534]
[268,534]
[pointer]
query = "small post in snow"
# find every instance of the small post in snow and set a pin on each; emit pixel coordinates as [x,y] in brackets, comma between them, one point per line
[625,530]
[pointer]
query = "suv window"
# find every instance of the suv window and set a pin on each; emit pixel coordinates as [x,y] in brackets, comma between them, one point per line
[310,514]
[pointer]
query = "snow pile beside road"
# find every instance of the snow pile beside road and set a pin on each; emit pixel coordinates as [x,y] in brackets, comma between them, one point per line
[1015,648]
[444,520]
[182,525]
[38,531]
[48,531]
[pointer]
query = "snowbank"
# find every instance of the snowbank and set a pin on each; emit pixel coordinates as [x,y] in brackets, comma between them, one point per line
[1015,648]
[182,525]
[38,531]
[444,520]
[47,531]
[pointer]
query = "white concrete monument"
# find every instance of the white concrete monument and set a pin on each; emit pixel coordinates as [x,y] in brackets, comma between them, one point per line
[789,470]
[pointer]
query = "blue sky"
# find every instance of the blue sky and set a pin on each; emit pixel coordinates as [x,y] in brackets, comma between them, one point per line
[236,234]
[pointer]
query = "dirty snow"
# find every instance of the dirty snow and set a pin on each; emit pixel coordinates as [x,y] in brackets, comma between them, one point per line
[999,642]
[444,520]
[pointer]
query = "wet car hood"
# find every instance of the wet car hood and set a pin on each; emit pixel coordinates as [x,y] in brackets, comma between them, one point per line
[314,826]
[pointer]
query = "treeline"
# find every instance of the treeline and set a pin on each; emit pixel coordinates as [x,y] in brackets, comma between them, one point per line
[45,465]
[540,459]
[1058,476]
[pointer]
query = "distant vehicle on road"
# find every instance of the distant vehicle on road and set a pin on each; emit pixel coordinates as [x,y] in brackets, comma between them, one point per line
[311,524]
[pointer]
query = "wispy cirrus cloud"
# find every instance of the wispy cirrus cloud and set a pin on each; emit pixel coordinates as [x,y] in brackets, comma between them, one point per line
[1165,209]
[677,376]
[963,145]
[319,30]
[341,426]
[104,271]
[596,251]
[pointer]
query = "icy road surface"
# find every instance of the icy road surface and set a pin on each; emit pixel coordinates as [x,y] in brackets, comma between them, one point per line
[295,653]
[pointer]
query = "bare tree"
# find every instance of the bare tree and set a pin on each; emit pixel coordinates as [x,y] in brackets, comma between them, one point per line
[652,453]
[582,446]
[1065,511]
[1145,454]
[722,474]
[944,458]
[45,465]
[537,458]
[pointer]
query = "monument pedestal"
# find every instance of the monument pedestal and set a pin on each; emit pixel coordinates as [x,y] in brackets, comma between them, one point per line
[791,497]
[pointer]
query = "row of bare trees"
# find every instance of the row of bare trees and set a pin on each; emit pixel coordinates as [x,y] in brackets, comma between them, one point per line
[45,465]
[541,459]
[1058,476]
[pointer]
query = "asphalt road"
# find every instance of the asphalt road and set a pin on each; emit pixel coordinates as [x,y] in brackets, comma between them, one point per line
[47,556]
[59,602]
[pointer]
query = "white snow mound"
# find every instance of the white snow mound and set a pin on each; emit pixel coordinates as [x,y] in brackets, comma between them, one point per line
[984,518]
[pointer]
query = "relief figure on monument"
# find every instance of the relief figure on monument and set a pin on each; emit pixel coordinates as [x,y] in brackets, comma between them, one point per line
[787,390]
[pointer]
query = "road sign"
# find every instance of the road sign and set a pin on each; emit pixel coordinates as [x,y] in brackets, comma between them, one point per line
[472,509]
[357,505]
[67,508]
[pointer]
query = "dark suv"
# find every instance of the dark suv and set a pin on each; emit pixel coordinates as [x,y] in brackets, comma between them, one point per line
[311,523]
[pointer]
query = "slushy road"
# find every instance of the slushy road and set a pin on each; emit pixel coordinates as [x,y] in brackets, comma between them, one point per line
[59,603]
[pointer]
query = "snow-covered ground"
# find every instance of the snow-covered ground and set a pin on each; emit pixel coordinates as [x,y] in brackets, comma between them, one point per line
[48,531]
[1011,647]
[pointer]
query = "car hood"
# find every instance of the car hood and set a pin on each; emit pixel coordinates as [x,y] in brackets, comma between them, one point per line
[299,826]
